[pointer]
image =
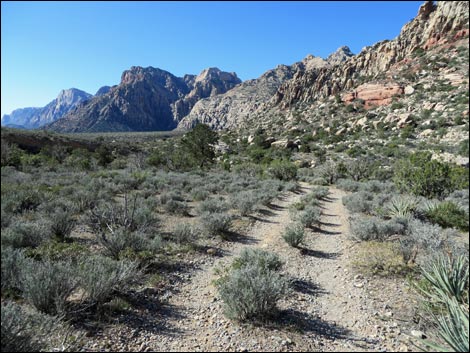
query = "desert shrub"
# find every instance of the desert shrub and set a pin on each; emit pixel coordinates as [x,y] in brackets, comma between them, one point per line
[101,276]
[359,168]
[84,199]
[360,202]
[62,223]
[120,239]
[348,185]
[262,259]
[176,207]
[382,258]
[200,194]
[423,176]
[426,240]
[374,228]
[21,200]
[245,202]
[23,233]
[294,234]
[26,330]
[251,293]
[375,186]
[58,251]
[283,170]
[185,233]
[330,171]
[460,198]
[310,217]
[12,264]
[212,206]
[320,192]
[46,285]
[447,214]
[292,186]
[131,216]
[216,223]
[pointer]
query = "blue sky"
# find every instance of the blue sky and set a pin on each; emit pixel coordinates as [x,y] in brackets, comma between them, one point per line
[49,46]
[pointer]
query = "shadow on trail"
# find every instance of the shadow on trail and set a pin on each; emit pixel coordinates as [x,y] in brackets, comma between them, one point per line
[294,320]
[267,213]
[307,287]
[319,254]
[234,237]
[326,232]
[330,224]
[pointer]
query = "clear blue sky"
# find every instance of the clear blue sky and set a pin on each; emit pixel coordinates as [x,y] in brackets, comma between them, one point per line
[49,46]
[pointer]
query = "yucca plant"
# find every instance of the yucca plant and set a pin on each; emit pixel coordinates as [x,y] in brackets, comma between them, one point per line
[448,277]
[453,329]
[445,288]
[401,207]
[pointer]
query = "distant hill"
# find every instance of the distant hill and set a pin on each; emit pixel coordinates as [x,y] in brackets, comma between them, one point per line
[33,118]
[146,99]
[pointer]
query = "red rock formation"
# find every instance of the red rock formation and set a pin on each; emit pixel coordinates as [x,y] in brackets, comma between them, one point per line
[374,94]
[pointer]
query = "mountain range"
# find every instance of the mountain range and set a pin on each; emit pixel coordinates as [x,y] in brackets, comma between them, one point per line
[149,98]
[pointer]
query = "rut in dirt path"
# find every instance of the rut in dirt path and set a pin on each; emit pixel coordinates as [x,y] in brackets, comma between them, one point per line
[329,308]
[200,315]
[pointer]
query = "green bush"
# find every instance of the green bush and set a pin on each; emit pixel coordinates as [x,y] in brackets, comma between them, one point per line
[423,176]
[253,287]
[185,233]
[27,330]
[294,234]
[13,261]
[23,233]
[100,277]
[283,170]
[212,206]
[264,260]
[245,202]
[373,228]
[47,285]
[310,217]
[447,214]
[216,223]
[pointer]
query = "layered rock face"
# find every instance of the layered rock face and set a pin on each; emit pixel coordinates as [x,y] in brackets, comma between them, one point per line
[433,25]
[32,118]
[374,94]
[146,99]
[341,74]
[229,110]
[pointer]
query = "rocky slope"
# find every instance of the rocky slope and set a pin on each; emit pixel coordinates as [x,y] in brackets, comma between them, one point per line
[434,25]
[32,118]
[146,99]
[375,77]
[238,104]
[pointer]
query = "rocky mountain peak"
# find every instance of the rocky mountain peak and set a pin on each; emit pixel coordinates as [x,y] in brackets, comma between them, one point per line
[71,96]
[311,62]
[146,99]
[425,9]
[340,55]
